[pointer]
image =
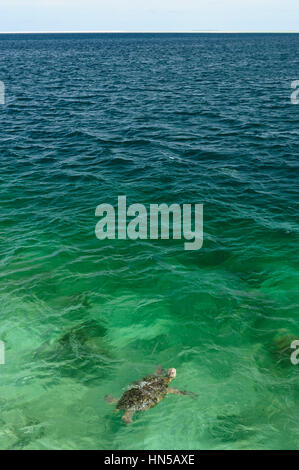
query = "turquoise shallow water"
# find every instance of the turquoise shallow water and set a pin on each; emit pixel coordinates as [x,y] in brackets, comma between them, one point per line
[160,118]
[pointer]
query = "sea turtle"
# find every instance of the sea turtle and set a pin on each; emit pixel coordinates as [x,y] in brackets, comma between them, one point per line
[146,393]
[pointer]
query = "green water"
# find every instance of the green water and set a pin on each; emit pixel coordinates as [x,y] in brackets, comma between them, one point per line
[80,317]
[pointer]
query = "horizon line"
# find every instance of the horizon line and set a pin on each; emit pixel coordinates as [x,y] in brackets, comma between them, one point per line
[151,32]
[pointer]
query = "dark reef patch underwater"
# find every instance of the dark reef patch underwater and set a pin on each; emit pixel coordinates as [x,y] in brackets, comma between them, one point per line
[160,118]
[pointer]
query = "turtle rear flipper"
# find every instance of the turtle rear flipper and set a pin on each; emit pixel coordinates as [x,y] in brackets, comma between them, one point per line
[110,399]
[128,417]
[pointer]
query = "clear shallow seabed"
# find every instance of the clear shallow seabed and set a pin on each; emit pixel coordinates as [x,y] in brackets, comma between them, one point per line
[160,118]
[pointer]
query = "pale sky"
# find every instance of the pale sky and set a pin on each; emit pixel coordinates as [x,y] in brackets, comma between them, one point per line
[149,15]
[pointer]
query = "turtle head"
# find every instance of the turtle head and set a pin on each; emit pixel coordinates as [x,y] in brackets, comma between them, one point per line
[171,373]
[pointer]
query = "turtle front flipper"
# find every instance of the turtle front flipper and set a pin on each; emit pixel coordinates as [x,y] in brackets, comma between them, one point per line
[110,399]
[181,392]
[160,372]
[127,417]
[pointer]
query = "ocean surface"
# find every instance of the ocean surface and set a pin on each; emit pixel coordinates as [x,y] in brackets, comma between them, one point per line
[160,118]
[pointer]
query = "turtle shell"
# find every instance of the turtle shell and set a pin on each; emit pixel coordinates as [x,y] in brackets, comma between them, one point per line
[144,394]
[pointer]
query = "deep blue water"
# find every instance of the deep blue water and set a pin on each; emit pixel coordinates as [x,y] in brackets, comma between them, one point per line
[160,118]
